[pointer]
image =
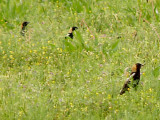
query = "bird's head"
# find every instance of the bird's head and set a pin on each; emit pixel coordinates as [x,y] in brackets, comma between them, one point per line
[25,24]
[136,67]
[139,65]
[74,28]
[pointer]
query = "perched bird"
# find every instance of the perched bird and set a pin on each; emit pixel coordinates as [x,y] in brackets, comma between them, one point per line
[70,33]
[135,74]
[136,78]
[23,28]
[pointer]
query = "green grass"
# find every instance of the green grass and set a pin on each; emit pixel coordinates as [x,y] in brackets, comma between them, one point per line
[45,77]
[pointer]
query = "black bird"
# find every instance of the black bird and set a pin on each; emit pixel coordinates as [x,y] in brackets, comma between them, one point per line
[136,71]
[136,78]
[70,33]
[23,28]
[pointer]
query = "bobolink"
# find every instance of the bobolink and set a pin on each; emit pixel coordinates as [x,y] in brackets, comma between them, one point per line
[70,33]
[23,28]
[136,78]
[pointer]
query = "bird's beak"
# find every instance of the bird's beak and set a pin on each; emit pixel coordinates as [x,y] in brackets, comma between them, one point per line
[143,64]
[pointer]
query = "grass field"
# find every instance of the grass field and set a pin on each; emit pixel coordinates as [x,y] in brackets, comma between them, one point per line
[43,77]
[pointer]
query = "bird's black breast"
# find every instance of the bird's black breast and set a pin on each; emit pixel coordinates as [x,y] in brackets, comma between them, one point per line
[137,75]
[70,35]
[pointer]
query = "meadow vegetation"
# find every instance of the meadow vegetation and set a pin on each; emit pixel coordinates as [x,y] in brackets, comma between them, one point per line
[43,77]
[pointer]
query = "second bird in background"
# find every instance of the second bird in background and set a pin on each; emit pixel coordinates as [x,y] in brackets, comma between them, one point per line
[23,28]
[70,33]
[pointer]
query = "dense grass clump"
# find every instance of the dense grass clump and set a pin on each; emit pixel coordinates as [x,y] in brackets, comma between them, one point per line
[44,76]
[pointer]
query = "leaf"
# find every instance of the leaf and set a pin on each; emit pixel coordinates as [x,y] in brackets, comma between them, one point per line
[115,45]
[52,45]
[80,39]
[68,45]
